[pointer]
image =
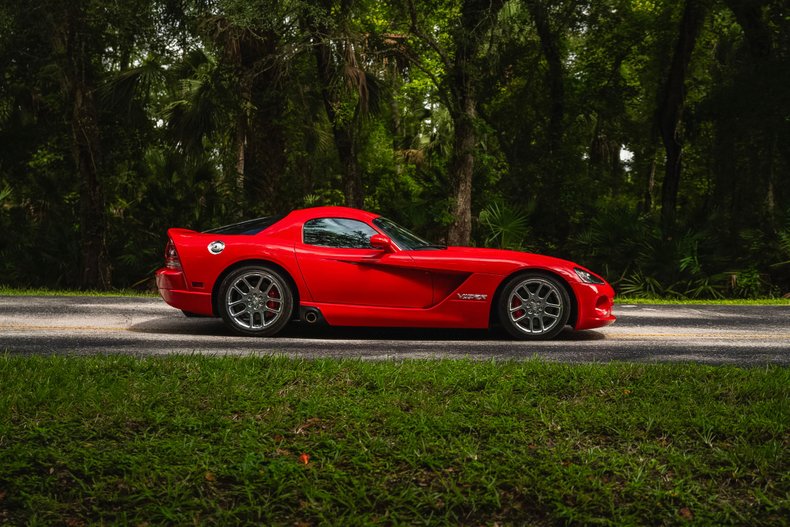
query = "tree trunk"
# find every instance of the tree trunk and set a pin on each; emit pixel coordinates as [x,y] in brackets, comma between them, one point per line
[749,14]
[651,181]
[235,182]
[464,76]
[266,144]
[239,146]
[461,169]
[458,91]
[79,86]
[343,128]
[258,141]
[670,109]
[266,156]
[345,143]
[550,46]
[93,222]
[760,42]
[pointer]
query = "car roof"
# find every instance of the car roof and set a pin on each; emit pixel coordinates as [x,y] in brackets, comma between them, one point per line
[290,226]
[331,212]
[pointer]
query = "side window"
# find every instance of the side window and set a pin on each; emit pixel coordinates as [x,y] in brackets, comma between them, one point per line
[338,232]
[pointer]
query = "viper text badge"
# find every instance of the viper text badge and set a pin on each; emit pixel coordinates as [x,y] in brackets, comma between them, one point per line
[471,296]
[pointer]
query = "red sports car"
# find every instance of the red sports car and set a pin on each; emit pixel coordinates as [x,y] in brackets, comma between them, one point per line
[348,267]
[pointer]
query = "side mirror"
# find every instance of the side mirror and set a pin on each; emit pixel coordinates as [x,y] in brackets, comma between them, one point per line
[381,242]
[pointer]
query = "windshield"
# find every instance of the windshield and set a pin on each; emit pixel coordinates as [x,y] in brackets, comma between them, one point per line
[403,238]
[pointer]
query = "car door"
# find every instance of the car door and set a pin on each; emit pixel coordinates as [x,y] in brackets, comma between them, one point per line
[340,266]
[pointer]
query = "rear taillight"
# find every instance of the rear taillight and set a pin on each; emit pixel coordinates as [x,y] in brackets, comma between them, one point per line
[171,256]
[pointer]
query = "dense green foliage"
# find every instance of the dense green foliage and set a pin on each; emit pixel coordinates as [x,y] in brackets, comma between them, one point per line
[118,440]
[537,125]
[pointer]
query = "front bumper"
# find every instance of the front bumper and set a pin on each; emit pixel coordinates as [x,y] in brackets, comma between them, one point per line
[172,287]
[594,303]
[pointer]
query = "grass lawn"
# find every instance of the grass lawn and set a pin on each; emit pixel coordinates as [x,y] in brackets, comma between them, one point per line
[220,441]
[12,291]
[39,291]
[696,301]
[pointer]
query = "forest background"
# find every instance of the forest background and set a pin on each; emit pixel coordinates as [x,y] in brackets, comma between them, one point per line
[648,140]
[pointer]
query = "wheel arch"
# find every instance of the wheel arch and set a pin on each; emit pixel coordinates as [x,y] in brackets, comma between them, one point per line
[255,261]
[574,313]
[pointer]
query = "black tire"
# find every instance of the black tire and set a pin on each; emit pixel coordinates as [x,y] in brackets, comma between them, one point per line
[255,301]
[533,306]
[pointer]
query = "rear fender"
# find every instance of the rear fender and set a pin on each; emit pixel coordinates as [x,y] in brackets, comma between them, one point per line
[264,263]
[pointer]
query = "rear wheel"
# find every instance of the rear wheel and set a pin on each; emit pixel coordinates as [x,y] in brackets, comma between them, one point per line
[255,301]
[534,306]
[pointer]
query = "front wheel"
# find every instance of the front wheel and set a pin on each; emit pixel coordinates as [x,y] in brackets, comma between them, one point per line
[534,306]
[255,301]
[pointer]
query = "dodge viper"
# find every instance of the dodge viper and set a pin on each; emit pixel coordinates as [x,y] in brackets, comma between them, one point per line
[347,267]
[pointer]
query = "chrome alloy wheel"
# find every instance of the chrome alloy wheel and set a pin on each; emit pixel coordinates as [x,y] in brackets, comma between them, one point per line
[535,306]
[255,300]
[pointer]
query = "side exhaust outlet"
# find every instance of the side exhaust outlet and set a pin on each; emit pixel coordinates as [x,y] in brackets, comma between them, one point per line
[311,315]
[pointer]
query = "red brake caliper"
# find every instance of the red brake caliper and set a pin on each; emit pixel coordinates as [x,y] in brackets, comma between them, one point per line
[274,293]
[516,303]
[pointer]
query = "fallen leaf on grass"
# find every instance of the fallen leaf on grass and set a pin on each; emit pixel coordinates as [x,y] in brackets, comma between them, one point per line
[304,458]
[210,476]
[627,391]
[686,513]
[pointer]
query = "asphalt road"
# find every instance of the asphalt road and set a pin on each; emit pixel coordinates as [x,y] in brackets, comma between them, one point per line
[744,335]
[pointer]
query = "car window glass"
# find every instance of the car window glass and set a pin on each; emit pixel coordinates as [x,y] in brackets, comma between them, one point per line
[338,232]
[247,227]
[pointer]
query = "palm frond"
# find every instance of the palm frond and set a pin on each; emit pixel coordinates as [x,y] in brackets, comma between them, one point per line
[505,226]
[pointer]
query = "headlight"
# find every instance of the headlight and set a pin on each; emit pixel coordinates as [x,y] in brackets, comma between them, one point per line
[587,277]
